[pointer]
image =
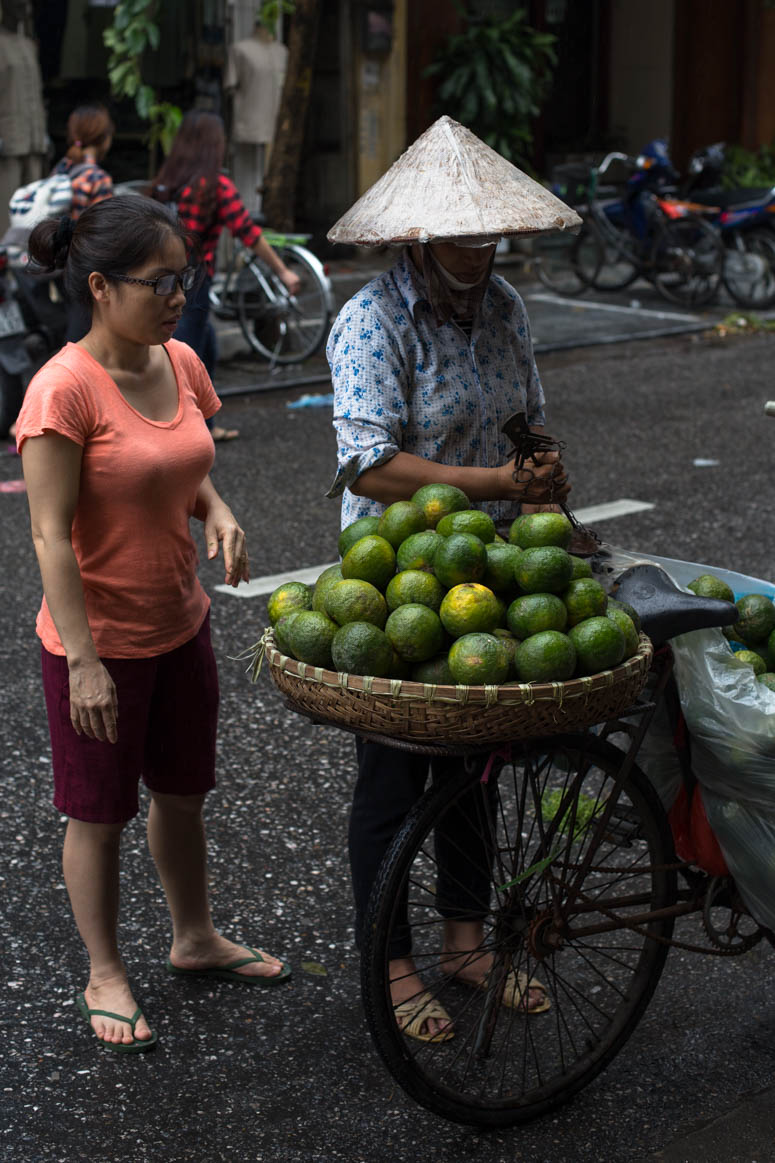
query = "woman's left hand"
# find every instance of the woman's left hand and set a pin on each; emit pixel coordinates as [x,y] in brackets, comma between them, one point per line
[221,526]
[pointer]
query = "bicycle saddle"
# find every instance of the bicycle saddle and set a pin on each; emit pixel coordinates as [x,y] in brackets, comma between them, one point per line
[664,610]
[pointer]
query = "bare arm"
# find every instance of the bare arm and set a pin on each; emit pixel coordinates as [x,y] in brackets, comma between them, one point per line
[52,469]
[398,478]
[221,525]
[267,254]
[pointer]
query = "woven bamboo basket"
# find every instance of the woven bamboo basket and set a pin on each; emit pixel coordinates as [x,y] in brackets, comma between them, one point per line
[467,715]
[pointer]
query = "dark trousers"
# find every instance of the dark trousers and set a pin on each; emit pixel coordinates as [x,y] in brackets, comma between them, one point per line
[195,327]
[389,783]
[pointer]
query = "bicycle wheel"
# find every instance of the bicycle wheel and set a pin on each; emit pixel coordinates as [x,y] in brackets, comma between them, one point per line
[687,261]
[619,267]
[284,328]
[554,856]
[566,263]
[749,268]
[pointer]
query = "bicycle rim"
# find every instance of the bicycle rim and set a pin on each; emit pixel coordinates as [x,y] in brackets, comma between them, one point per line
[687,261]
[543,912]
[749,268]
[281,328]
[618,268]
[557,260]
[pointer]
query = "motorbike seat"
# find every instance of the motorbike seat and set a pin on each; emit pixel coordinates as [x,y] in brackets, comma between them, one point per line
[666,611]
[725,199]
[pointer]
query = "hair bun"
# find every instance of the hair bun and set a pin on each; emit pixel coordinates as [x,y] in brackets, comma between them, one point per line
[63,235]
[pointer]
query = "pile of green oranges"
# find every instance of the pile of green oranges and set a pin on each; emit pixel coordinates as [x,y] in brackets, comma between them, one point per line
[428,591]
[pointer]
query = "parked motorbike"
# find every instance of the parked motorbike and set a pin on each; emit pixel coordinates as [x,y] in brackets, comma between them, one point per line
[15,360]
[745,218]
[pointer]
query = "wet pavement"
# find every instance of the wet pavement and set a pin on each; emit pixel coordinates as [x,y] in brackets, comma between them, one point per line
[289,1075]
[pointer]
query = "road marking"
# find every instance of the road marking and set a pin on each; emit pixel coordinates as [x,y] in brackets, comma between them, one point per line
[264,585]
[587,305]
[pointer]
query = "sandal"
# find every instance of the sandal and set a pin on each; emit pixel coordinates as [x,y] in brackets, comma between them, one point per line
[229,972]
[138,1046]
[515,990]
[417,1010]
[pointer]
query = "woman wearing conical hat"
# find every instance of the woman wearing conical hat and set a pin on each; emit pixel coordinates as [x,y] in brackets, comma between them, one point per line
[428,360]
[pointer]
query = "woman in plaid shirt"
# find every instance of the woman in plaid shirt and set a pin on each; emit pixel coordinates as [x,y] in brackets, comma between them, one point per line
[207,201]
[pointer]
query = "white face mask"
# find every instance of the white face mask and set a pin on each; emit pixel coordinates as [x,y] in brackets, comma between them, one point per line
[455,283]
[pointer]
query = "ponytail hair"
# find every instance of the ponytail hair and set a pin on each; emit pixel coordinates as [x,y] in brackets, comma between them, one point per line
[113,237]
[88,127]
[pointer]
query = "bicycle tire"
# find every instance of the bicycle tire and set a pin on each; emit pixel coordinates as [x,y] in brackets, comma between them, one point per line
[557,260]
[284,329]
[599,985]
[749,268]
[619,268]
[687,261]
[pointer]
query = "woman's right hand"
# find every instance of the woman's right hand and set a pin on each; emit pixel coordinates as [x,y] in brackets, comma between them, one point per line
[541,480]
[93,702]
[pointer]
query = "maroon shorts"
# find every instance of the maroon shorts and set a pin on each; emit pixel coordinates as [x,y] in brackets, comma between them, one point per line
[167,718]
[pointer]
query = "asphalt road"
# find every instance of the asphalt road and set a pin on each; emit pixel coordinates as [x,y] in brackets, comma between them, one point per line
[290,1074]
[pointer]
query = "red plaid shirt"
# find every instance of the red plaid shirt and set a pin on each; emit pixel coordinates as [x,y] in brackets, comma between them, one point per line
[230,212]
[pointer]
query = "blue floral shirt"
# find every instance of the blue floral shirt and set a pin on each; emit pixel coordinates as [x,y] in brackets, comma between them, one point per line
[402,384]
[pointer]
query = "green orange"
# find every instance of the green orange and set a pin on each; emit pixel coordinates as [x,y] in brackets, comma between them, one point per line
[599,644]
[353,600]
[584,598]
[627,627]
[370,559]
[362,648]
[363,527]
[754,660]
[544,569]
[287,597]
[418,550]
[469,608]
[415,632]
[329,577]
[707,585]
[501,562]
[461,557]
[310,635]
[472,521]
[434,670]
[414,585]
[533,529]
[399,521]
[477,659]
[545,657]
[438,500]
[533,613]
[757,619]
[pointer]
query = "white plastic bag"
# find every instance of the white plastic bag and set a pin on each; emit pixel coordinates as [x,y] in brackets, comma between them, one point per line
[731,718]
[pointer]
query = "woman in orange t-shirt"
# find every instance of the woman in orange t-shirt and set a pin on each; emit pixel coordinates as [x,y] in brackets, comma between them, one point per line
[116,457]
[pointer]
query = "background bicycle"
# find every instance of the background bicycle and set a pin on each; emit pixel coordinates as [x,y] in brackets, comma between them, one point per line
[277,326]
[636,233]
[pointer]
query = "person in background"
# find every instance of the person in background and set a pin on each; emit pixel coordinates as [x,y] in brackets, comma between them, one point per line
[116,459]
[206,199]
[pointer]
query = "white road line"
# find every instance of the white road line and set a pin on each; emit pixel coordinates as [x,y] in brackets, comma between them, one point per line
[264,585]
[590,305]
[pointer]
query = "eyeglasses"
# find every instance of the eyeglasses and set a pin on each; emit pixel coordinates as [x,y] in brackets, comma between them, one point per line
[164,284]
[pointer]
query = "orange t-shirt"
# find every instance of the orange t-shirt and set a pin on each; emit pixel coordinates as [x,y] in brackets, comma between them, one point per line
[138,488]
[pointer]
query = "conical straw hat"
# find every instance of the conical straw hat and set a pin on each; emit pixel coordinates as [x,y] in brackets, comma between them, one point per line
[449,184]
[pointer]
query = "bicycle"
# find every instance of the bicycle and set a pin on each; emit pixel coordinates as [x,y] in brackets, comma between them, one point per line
[578,887]
[280,327]
[642,234]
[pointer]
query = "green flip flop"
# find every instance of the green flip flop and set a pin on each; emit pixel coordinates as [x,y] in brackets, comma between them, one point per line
[229,972]
[138,1046]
